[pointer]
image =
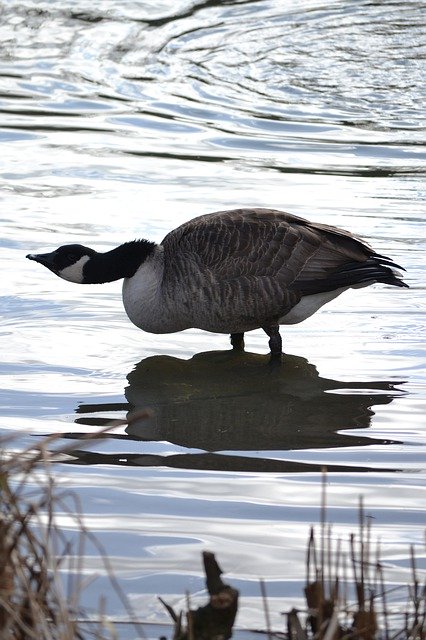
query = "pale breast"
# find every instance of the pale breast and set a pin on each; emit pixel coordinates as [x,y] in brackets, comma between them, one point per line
[143,298]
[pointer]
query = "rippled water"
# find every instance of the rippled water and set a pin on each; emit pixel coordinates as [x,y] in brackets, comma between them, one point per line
[122,120]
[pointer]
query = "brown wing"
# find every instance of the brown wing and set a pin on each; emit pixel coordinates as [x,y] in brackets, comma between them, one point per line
[249,263]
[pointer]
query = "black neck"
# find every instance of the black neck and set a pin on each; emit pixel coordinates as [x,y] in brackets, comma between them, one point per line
[121,262]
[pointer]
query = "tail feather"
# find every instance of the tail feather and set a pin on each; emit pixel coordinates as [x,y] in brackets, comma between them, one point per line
[389,262]
[377,268]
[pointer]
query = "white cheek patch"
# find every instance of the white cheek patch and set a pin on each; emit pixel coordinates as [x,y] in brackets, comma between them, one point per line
[74,273]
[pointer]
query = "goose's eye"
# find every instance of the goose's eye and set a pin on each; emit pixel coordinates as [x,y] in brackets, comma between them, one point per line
[72,257]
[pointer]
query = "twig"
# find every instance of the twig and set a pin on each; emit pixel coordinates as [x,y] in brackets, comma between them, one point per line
[266,608]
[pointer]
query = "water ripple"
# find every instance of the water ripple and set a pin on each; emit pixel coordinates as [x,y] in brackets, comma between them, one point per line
[250,70]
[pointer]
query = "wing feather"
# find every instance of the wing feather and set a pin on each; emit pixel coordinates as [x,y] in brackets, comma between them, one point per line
[251,265]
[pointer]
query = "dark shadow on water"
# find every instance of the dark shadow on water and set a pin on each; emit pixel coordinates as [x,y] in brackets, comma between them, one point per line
[234,403]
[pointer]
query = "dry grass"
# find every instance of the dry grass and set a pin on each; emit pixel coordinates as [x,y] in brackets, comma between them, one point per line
[346,591]
[41,566]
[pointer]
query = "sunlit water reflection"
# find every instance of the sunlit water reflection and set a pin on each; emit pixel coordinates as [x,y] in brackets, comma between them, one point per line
[121,121]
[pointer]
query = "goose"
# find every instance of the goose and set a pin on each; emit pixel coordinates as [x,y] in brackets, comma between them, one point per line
[230,272]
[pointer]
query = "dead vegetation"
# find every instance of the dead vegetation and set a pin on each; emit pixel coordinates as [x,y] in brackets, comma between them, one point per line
[346,591]
[215,620]
[42,584]
[41,565]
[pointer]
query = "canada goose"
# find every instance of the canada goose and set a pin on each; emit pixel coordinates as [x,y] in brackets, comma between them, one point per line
[230,272]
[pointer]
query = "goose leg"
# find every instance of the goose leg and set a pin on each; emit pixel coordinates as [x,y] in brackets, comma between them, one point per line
[275,342]
[237,341]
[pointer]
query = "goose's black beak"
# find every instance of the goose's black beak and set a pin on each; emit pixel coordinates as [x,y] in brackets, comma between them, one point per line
[46,259]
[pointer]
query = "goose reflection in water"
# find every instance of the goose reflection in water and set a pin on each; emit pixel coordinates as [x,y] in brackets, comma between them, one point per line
[224,402]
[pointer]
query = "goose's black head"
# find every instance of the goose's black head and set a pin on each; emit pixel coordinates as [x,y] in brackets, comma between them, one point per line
[83,265]
[67,261]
